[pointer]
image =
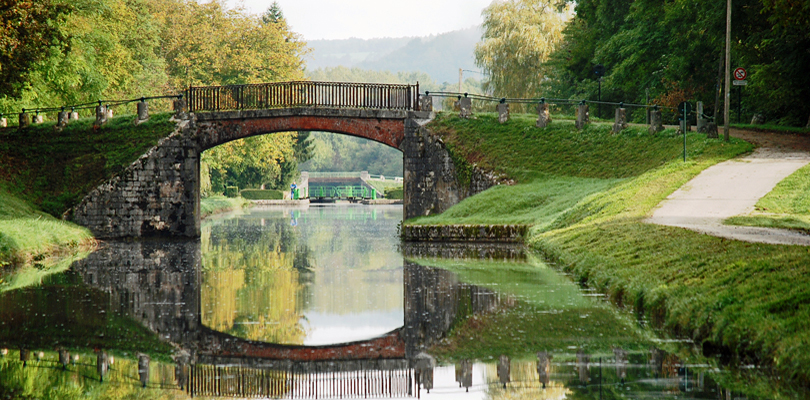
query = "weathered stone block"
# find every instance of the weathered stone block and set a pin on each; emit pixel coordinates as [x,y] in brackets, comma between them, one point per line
[503,113]
[101,115]
[24,120]
[465,107]
[656,124]
[61,120]
[543,115]
[142,112]
[620,120]
[3,122]
[426,103]
[583,116]
[758,119]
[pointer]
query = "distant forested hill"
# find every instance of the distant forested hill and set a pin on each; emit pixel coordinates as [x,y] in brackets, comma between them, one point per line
[439,56]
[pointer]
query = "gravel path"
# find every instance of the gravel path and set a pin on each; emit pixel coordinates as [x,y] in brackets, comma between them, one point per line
[733,188]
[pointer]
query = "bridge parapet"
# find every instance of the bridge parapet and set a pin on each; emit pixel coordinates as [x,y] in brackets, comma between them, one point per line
[309,94]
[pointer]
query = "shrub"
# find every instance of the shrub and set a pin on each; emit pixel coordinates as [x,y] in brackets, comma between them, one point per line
[231,191]
[258,194]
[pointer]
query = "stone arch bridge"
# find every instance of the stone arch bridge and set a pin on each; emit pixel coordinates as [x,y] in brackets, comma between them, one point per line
[159,194]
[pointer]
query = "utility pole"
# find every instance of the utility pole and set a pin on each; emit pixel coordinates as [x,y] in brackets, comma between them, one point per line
[728,71]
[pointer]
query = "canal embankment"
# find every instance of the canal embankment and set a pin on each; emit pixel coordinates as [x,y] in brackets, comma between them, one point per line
[586,194]
[45,171]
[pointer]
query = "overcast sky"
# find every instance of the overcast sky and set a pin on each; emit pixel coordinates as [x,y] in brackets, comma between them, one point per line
[366,19]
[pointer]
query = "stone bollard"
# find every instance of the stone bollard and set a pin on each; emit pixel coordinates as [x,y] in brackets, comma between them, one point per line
[465,105]
[3,122]
[109,112]
[655,122]
[620,121]
[143,369]
[181,374]
[64,358]
[24,120]
[504,367]
[424,364]
[583,365]
[503,112]
[543,367]
[180,106]
[543,115]
[464,374]
[74,116]
[143,112]
[621,363]
[583,116]
[101,115]
[38,118]
[426,103]
[61,121]
[24,353]
[101,365]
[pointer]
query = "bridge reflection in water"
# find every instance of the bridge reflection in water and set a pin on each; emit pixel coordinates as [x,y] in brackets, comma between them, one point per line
[157,285]
[319,380]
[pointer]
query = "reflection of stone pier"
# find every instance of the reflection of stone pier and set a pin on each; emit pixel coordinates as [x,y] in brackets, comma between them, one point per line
[465,250]
[435,300]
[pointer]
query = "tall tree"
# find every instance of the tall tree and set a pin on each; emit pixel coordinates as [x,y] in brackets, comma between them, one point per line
[273,14]
[29,29]
[519,35]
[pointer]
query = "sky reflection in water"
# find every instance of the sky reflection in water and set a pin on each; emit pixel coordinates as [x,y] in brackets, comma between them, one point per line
[318,275]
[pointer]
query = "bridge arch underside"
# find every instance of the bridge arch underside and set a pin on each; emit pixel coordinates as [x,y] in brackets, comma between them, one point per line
[215,129]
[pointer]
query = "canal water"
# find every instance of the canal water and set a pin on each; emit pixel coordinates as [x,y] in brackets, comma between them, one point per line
[265,302]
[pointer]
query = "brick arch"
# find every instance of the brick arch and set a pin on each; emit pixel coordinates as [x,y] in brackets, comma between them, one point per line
[214,129]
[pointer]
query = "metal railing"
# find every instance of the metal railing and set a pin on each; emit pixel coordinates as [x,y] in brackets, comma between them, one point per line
[304,94]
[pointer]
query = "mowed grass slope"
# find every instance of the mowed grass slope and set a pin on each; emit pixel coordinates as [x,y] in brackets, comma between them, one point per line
[43,173]
[749,301]
[54,170]
[26,233]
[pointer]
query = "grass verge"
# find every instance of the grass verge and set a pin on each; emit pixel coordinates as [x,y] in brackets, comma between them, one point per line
[219,204]
[740,300]
[27,234]
[786,206]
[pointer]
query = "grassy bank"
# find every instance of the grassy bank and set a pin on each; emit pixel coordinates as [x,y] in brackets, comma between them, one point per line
[737,299]
[786,206]
[27,234]
[54,170]
[219,204]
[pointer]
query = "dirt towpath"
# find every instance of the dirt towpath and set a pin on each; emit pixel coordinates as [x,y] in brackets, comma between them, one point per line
[733,188]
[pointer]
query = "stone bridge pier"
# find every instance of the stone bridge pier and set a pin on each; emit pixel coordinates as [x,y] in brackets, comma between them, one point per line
[159,194]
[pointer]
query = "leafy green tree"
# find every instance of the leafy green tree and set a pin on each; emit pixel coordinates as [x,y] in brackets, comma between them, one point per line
[208,44]
[672,50]
[30,32]
[519,36]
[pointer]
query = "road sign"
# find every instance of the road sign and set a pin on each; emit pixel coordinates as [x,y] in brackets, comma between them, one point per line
[685,107]
[740,74]
[740,83]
